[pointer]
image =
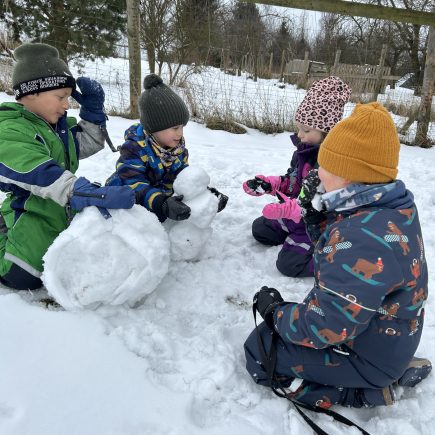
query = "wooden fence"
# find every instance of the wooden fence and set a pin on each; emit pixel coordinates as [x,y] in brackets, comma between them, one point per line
[363,78]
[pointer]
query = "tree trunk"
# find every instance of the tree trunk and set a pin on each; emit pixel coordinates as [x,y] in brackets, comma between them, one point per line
[378,84]
[306,66]
[151,57]
[336,62]
[60,30]
[423,119]
[415,62]
[281,73]
[255,58]
[133,33]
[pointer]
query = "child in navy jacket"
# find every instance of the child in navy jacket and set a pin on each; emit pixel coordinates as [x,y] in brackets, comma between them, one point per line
[154,152]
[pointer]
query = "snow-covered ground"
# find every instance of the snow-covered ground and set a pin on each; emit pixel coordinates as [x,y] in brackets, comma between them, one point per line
[175,365]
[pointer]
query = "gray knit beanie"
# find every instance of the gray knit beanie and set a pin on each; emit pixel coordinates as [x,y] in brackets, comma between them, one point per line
[39,69]
[160,107]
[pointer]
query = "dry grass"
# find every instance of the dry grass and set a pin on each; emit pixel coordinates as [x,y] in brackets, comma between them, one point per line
[299,81]
[405,108]
[122,112]
[216,123]
[216,97]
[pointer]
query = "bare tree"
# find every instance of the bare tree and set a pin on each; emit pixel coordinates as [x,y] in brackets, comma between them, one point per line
[156,33]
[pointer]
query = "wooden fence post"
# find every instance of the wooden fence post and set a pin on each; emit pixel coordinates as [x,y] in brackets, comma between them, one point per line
[336,62]
[306,65]
[423,119]
[270,65]
[380,73]
[281,74]
[133,32]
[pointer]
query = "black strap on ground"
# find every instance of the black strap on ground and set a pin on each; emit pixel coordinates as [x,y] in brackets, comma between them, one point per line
[108,140]
[269,363]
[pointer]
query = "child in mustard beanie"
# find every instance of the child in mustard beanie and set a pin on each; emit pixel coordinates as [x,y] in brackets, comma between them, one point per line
[363,320]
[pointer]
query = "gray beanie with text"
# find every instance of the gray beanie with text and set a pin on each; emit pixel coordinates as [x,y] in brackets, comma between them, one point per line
[39,69]
[160,107]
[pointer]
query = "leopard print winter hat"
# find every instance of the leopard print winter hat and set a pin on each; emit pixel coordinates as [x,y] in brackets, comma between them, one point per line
[323,104]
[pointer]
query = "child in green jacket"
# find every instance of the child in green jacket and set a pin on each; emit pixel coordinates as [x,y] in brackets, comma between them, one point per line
[40,149]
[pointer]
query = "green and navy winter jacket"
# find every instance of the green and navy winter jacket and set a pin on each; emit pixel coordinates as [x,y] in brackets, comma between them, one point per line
[140,168]
[371,282]
[37,166]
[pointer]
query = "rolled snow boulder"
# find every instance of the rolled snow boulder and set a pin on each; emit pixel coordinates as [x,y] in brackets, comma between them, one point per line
[191,181]
[98,262]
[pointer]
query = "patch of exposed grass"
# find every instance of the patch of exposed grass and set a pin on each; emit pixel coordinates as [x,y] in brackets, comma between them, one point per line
[216,123]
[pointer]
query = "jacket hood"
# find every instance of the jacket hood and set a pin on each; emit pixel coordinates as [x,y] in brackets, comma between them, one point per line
[135,132]
[391,195]
[10,111]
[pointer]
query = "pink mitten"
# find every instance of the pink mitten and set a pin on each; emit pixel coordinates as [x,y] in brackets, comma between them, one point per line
[257,186]
[261,185]
[289,209]
[275,182]
[251,188]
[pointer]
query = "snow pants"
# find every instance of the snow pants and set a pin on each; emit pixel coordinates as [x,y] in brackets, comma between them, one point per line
[330,375]
[296,256]
[15,277]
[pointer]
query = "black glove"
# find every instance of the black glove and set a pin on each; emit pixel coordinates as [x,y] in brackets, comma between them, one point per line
[311,187]
[173,208]
[255,183]
[223,199]
[267,299]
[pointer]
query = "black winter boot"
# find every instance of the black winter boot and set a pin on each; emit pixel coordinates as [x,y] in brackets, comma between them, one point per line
[418,369]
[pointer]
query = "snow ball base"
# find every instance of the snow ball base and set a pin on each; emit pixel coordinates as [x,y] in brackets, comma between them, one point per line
[187,240]
[98,262]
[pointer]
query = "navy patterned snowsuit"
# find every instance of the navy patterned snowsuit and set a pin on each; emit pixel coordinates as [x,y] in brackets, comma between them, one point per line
[295,258]
[361,324]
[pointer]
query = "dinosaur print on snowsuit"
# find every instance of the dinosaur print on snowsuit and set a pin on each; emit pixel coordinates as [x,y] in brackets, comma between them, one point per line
[295,258]
[361,324]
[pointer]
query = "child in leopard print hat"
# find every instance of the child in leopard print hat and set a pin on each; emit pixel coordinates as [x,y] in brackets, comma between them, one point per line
[281,224]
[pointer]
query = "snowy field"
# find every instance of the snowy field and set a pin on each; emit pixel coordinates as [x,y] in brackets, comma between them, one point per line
[175,365]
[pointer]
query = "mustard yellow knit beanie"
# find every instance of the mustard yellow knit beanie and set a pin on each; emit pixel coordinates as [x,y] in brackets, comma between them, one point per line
[364,147]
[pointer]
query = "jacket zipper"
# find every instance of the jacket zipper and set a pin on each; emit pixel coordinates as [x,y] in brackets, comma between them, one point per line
[89,195]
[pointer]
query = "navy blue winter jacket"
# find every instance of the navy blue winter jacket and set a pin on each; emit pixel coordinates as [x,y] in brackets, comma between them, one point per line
[370,283]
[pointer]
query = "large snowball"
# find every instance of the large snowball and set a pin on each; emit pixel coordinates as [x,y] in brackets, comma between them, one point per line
[191,181]
[187,240]
[107,262]
[203,209]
